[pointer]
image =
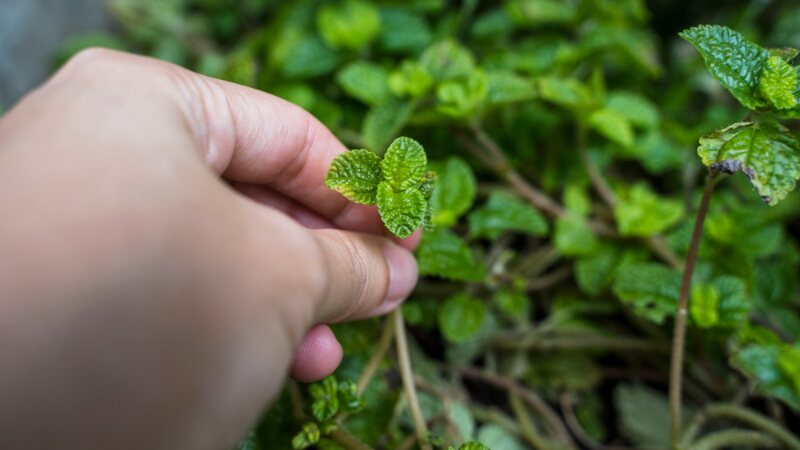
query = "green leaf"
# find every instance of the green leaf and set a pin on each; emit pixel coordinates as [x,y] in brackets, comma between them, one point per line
[508,87]
[453,192]
[326,399]
[497,438]
[307,437]
[402,212]
[444,254]
[613,125]
[640,212]
[356,174]
[505,212]
[308,58]
[704,305]
[595,272]
[462,97]
[643,412]
[764,151]
[778,83]
[734,304]
[403,31]
[789,363]
[461,317]
[573,237]
[567,92]
[383,122]
[365,81]
[410,80]
[404,163]
[733,60]
[349,398]
[650,289]
[473,446]
[535,13]
[762,363]
[513,302]
[636,108]
[351,24]
[447,60]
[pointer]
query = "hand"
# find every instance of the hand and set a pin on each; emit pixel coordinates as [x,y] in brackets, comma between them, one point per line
[167,245]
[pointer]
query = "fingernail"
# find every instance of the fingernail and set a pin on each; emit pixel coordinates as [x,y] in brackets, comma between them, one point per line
[402,274]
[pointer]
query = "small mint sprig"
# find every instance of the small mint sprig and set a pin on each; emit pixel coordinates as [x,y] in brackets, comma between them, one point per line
[399,183]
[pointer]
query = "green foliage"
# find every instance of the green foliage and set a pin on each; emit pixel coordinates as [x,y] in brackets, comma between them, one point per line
[765,151]
[563,195]
[395,183]
[461,317]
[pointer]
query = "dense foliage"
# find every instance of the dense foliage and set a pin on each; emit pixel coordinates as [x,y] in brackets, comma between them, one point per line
[562,134]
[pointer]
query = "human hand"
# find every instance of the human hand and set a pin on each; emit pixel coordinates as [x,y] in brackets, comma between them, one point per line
[168,244]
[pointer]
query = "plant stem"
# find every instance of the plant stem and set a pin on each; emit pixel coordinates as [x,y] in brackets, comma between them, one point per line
[384,341]
[679,332]
[404,361]
[598,181]
[756,420]
[347,440]
[737,438]
[526,425]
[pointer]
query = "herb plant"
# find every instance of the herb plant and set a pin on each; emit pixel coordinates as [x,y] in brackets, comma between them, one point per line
[580,288]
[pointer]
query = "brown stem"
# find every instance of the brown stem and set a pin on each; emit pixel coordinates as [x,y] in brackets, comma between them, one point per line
[384,341]
[735,438]
[347,440]
[404,361]
[598,180]
[681,315]
[526,425]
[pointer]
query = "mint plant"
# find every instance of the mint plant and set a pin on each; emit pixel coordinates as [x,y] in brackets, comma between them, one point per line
[399,183]
[572,260]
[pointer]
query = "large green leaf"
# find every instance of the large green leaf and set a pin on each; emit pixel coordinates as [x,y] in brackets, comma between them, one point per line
[404,163]
[573,237]
[453,192]
[636,108]
[383,122]
[650,289]
[461,317]
[401,211]
[764,151]
[443,253]
[505,212]
[567,92]
[733,60]
[403,31]
[365,81]
[640,212]
[462,97]
[613,125]
[778,83]
[447,60]
[356,174]
[762,362]
[643,416]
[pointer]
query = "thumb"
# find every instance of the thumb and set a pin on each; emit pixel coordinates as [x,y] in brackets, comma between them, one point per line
[367,275]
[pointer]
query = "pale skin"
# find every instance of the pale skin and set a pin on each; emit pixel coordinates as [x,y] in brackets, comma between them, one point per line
[169,253]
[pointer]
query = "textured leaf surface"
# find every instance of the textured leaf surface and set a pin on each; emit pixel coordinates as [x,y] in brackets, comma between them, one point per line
[453,193]
[651,289]
[505,212]
[356,174]
[402,212]
[613,125]
[444,254]
[365,81]
[733,60]
[640,212]
[764,151]
[326,399]
[404,163]
[778,83]
[460,317]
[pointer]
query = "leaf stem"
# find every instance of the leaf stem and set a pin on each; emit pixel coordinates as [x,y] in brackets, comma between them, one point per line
[526,425]
[735,438]
[754,419]
[679,332]
[347,440]
[404,361]
[384,341]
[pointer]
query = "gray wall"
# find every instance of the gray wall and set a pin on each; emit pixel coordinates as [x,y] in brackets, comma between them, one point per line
[31,31]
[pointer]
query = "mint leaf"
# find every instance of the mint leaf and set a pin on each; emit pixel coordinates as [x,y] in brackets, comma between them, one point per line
[778,83]
[410,80]
[326,399]
[505,212]
[384,121]
[704,305]
[443,253]
[473,446]
[637,109]
[640,212]
[351,24]
[453,192]
[567,92]
[461,317]
[613,125]
[573,237]
[764,151]
[404,163]
[403,31]
[307,437]
[365,81]
[402,212]
[356,174]
[535,13]
[733,60]
[650,289]
[462,97]
[762,362]
[508,87]
[447,60]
